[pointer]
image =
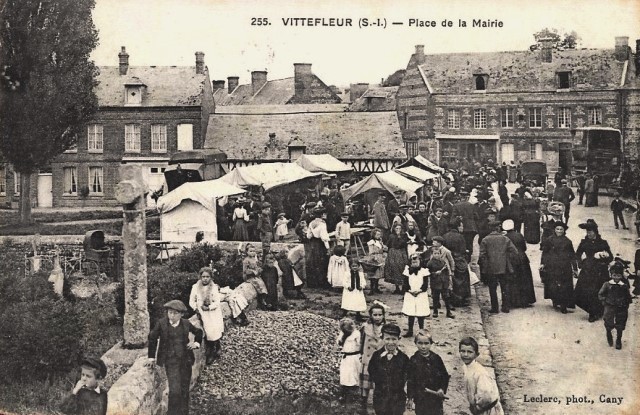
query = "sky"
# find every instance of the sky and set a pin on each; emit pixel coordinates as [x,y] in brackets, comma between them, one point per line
[169,32]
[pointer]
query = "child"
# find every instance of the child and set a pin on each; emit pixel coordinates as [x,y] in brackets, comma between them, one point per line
[343,232]
[388,372]
[352,293]
[205,301]
[377,252]
[87,397]
[338,267]
[617,207]
[301,230]
[265,229]
[237,303]
[270,277]
[482,390]
[175,353]
[251,271]
[615,297]
[282,226]
[291,282]
[371,341]
[428,379]
[349,343]
[440,265]
[416,298]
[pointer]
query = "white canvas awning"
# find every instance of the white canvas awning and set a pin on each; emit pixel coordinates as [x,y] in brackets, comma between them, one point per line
[390,181]
[324,163]
[267,175]
[416,173]
[204,193]
[422,163]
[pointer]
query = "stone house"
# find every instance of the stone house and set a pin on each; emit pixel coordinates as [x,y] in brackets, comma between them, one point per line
[372,98]
[517,105]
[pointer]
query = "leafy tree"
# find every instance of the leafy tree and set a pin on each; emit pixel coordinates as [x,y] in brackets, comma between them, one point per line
[569,40]
[46,82]
[395,79]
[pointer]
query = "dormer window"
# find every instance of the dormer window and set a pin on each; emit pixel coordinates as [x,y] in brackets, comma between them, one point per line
[480,79]
[134,95]
[480,84]
[564,80]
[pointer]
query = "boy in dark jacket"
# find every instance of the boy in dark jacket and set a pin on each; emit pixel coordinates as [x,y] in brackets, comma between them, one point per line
[175,353]
[617,207]
[388,372]
[428,379]
[87,398]
[615,297]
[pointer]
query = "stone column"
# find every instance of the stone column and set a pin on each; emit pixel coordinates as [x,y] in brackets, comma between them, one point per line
[130,192]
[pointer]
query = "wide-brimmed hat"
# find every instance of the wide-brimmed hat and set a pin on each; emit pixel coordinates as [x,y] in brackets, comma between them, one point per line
[508,225]
[95,363]
[282,215]
[589,225]
[560,223]
[176,305]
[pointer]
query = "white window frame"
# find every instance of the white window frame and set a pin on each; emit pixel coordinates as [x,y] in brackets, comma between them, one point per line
[480,118]
[535,151]
[453,119]
[535,117]
[595,115]
[95,138]
[564,117]
[132,138]
[99,169]
[158,138]
[3,181]
[16,183]
[70,180]
[506,117]
[181,130]
[133,96]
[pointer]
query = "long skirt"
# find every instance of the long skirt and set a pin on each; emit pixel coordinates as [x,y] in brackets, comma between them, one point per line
[590,280]
[523,292]
[240,232]
[397,259]
[317,263]
[558,286]
[350,370]
[532,227]
[212,323]
[461,283]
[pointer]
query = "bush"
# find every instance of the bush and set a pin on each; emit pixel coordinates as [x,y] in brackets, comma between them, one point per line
[196,256]
[16,288]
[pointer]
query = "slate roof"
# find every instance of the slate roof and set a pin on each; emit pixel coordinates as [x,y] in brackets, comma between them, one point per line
[522,70]
[280,109]
[165,85]
[275,92]
[387,93]
[356,135]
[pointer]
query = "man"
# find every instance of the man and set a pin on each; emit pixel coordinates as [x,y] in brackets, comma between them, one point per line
[617,207]
[580,180]
[565,195]
[380,216]
[403,217]
[589,191]
[467,211]
[495,268]
[559,176]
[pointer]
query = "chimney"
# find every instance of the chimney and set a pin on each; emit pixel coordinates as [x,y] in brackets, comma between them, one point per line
[217,85]
[124,61]
[356,90]
[638,57]
[232,83]
[419,55]
[301,69]
[200,63]
[546,49]
[622,48]
[258,79]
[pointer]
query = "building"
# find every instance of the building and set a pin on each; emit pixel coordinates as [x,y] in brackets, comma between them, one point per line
[516,105]
[145,115]
[372,98]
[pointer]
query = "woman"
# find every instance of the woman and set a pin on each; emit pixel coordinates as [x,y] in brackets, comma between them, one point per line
[397,258]
[557,267]
[317,251]
[414,238]
[240,219]
[523,293]
[454,242]
[205,301]
[593,270]
[531,209]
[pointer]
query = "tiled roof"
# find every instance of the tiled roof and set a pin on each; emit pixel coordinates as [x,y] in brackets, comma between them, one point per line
[522,70]
[388,93]
[280,109]
[276,92]
[165,85]
[361,135]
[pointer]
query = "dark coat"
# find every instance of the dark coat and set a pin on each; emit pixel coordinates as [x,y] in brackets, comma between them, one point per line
[523,292]
[558,258]
[593,273]
[161,332]
[454,242]
[469,215]
[426,372]
[496,250]
[615,295]
[85,402]
[563,194]
[389,376]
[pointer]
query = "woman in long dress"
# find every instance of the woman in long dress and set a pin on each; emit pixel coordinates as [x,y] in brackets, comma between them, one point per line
[240,219]
[205,301]
[378,253]
[557,267]
[523,293]
[317,251]
[531,209]
[461,284]
[397,258]
[594,270]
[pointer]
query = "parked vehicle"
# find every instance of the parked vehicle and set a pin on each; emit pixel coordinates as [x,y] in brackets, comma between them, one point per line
[535,171]
[599,151]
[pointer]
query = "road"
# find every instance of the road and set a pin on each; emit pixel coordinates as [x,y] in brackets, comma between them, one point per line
[540,353]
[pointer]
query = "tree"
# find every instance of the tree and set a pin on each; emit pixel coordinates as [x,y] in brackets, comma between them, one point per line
[46,82]
[395,79]
[569,40]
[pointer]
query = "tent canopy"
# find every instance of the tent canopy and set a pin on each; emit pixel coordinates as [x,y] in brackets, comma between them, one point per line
[390,181]
[322,163]
[204,193]
[267,175]
[422,163]
[416,173]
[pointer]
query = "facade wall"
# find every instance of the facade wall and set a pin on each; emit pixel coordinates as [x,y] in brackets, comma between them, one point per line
[309,89]
[631,129]
[9,198]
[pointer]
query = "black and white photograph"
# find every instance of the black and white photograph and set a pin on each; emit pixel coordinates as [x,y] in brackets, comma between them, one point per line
[330,208]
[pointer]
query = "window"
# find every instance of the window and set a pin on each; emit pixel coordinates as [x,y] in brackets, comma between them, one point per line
[132,138]
[595,116]
[480,83]
[95,180]
[564,80]
[480,118]
[3,181]
[535,151]
[185,137]
[453,120]
[508,152]
[16,183]
[157,170]
[159,138]
[564,117]
[95,141]
[406,119]
[506,116]
[134,95]
[535,118]
[70,181]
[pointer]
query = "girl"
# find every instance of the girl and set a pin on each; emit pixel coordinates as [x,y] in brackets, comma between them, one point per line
[377,252]
[338,267]
[370,341]
[240,219]
[282,226]
[416,298]
[205,301]
[396,257]
[353,291]
[270,277]
[251,271]
[349,343]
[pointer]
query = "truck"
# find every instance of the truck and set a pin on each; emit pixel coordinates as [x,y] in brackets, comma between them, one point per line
[599,151]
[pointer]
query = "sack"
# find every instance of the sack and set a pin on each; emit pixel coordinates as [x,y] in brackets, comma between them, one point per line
[473,277]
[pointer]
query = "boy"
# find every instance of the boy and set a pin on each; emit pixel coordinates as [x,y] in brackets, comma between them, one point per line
[87,398]
[482,391]
[428,379]
[343,233]
[388,372]
[617,207]
[615,297]
[175,353]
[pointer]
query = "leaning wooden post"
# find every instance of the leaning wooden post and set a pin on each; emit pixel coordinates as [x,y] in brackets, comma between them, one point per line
[130,192]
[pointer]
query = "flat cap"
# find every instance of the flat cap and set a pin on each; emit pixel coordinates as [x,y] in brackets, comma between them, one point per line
[391,329]
[176,305]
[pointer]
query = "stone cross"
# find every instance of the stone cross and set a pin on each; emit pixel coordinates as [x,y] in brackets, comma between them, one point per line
[131,193]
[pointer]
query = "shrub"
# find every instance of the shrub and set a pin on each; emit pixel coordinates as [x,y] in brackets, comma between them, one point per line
[16,288]
[196,256]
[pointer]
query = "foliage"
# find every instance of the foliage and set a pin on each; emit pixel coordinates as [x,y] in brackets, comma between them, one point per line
[395,79]
[228,264]
[569,40]
[46,70]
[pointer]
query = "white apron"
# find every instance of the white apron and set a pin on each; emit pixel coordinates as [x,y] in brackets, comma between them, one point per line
[212,321]
[416,306]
